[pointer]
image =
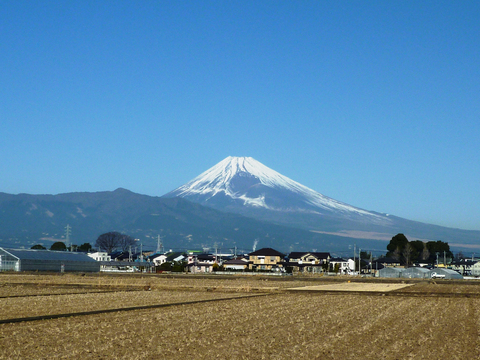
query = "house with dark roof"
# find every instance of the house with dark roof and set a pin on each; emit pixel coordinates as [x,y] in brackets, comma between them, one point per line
[382,262]
[308,261]
[120,256]
[266,259]
[463,266]
[200,263]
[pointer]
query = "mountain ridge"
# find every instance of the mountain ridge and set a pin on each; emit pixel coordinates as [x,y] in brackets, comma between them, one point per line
[27,220]
[237,202]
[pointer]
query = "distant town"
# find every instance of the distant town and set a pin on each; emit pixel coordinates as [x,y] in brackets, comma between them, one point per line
[116,252]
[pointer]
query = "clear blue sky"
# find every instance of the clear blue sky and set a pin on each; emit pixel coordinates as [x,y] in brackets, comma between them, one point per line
[373,103]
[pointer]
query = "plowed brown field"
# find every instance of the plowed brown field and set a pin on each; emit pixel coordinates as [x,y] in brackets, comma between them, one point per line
[279,325]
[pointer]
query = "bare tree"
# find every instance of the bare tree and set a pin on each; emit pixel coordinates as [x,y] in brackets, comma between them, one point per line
[397,254]
[425,252]
[125,242]
[109,241]
[407,254]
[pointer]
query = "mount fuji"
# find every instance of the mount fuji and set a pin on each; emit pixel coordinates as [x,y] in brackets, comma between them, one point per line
[236,203]
[245,186]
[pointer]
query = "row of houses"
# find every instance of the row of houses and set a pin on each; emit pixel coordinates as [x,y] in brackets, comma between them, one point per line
[268,259]
[265,260]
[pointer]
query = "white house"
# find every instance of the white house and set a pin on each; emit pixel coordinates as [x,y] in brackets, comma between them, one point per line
[100,256]
[475,269]
[344,266]
[159,259]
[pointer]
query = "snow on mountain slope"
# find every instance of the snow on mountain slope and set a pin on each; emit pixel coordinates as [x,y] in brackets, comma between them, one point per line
[256,185]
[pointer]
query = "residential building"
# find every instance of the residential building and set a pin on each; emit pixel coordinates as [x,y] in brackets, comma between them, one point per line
[345,266]
[308,261]
[100,256]
[463,266]
[200,263]
[235,264]
[476,269]
[159,259]
[266,259]
[382,262]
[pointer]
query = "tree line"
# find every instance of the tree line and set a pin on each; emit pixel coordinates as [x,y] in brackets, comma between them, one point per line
[107,242]
[409,252]
[60,246]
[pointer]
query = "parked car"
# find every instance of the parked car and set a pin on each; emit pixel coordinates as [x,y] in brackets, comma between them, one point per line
[436,275]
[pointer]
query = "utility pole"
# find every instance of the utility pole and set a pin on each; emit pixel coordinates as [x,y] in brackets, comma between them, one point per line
[359,259]
[371,262]
[445,259]
[67,236]
[354,250]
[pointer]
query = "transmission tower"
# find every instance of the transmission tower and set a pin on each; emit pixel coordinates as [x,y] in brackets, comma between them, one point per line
[68,231]
[159,245]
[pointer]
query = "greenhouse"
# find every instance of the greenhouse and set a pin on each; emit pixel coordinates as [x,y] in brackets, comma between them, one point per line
[415,273]
[442,273]
[390,272]
[46,260]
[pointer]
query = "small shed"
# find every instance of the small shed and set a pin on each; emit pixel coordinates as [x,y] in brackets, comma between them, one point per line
[46,260]
[415,273]
[390,272]
[442,273]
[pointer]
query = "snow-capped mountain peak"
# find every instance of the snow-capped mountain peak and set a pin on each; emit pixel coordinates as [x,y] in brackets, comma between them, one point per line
[247,182]
[220,177]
